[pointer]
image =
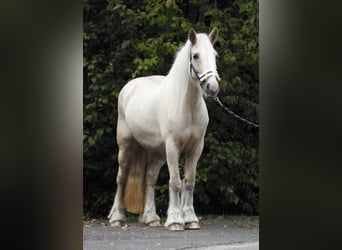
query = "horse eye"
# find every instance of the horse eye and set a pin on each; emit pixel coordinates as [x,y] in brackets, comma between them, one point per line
[196,56]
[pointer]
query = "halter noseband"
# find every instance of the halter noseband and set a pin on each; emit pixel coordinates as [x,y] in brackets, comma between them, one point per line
[204,76]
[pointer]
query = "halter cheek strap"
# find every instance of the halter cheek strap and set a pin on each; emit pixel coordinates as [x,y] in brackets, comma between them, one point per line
[204,76]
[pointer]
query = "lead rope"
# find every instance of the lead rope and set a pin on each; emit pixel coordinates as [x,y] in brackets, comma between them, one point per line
[203,77]
[235,115]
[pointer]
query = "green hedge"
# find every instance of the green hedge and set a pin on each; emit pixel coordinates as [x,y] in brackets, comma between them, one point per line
[126,39]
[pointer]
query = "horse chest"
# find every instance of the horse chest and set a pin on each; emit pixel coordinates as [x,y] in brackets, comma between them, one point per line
[187,132]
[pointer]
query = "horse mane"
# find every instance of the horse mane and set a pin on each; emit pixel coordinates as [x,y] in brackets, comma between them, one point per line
[176,81]
[177,78]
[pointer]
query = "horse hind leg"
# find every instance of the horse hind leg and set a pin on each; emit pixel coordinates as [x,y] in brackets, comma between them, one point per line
[117,213]
[126,143]
[150,216]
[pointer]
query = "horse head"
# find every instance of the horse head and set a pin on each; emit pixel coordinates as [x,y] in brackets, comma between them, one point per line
[203,61]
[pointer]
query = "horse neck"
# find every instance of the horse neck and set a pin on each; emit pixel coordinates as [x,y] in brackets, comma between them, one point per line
[194,95]
[184,92]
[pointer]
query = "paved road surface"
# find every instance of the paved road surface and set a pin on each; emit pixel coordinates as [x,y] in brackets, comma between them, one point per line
[216,234]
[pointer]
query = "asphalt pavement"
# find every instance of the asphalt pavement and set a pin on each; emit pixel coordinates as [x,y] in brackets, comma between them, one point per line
[217,233]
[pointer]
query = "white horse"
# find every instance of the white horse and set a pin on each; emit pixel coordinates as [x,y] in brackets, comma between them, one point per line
[160,118]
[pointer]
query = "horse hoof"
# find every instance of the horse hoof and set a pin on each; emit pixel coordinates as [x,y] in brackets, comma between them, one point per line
[118,223]
[175,227]
[192,225]
[155,223]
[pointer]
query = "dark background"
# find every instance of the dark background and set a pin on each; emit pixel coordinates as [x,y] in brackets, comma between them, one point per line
[41,124]
[128,39]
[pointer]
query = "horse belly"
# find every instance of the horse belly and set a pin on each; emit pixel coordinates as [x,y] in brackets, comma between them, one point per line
[141,113]
[145,131]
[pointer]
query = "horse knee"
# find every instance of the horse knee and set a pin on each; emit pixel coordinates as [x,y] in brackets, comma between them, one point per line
[189,186]
[175,186]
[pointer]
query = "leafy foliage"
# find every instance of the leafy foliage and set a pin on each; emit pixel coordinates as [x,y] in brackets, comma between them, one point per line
[127,39]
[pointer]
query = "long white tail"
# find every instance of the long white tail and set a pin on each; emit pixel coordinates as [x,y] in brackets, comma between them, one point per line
[134,197]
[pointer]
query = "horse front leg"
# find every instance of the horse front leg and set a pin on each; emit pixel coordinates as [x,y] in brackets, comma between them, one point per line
[174,220]
[190,218]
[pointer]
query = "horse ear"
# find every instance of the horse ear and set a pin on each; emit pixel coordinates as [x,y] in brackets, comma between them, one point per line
[213,35]
[192,36]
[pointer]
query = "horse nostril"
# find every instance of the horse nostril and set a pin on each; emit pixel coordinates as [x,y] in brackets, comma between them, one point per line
[210,89]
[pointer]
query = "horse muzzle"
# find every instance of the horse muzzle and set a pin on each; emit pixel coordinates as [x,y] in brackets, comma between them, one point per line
[211,87]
